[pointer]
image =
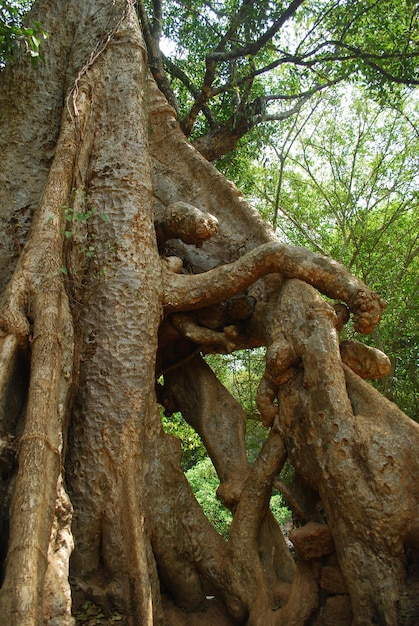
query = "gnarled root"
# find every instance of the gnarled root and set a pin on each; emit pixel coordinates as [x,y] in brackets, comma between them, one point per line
[217,328]
[287,323]
[184,221]
[352,450]
[368,362]
[183,292]
[367,308]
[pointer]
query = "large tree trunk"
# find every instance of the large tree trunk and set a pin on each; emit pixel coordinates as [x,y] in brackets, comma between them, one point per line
[124,254]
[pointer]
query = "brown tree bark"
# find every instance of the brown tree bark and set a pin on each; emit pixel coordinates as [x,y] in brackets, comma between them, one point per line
[122,249]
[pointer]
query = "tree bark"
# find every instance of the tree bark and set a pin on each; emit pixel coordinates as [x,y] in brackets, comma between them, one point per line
[347,442]
[116,235]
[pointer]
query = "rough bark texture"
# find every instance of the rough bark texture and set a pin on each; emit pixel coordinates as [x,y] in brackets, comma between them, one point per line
[125,256]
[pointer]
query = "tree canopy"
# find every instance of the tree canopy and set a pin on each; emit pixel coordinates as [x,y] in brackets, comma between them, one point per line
[12,33]
[233,65]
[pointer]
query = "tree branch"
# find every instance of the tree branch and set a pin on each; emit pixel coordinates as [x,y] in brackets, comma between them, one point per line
[203,97]
[370,59]
[183,292]
[307,60]
[220,140]
[152,36]
[157,20]
[176,72]
[254,47]
[219,54]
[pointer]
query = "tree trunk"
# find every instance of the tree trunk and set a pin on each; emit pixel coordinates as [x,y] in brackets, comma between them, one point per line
[124,254]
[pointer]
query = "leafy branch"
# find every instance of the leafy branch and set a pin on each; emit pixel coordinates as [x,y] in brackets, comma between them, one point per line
[13,33]
[236,58]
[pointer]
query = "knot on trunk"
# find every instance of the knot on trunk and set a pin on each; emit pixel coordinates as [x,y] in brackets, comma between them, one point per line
[184,221]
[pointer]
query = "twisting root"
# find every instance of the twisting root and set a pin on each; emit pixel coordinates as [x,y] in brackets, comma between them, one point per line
[367,308]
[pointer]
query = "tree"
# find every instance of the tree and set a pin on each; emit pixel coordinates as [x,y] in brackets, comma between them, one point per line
[240,64]
[344,184]
[125,255]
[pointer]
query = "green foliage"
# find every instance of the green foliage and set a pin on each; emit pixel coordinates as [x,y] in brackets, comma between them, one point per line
[91,615]
[88,249]
[204,482]
[388,33]
[13,32]
[281,513]
[192,447]
[240,372]
[258,60]
[80,217]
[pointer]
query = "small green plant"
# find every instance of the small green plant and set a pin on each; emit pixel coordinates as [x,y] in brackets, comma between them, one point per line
[192,447]
[89,613]
[12,33]
[88,251]
[81,217]
[204,481]
[281,513]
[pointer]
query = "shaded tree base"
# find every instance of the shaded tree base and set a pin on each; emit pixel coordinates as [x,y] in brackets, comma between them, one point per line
[214,613]
[314,546]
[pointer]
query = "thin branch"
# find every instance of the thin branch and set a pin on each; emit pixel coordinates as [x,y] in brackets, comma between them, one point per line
[152,36]
[222,139]
[303,98]
[371,58]
[157,20]
[263,70]
[255,46]
[235,23]
[176,72]
[202,99]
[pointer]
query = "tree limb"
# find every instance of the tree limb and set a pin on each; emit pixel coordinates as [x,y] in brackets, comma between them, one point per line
[182,292]
[152,34]
[176,72]
[255,46]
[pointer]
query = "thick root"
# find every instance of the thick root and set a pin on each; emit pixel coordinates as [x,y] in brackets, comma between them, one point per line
[367,308]
[369,363]
[185,222]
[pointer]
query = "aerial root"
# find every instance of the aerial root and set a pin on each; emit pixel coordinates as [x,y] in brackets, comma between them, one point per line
[367,308]
[368,362]
[43,439]
[184,221]
[14,307]
[182,291]
[9,346]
